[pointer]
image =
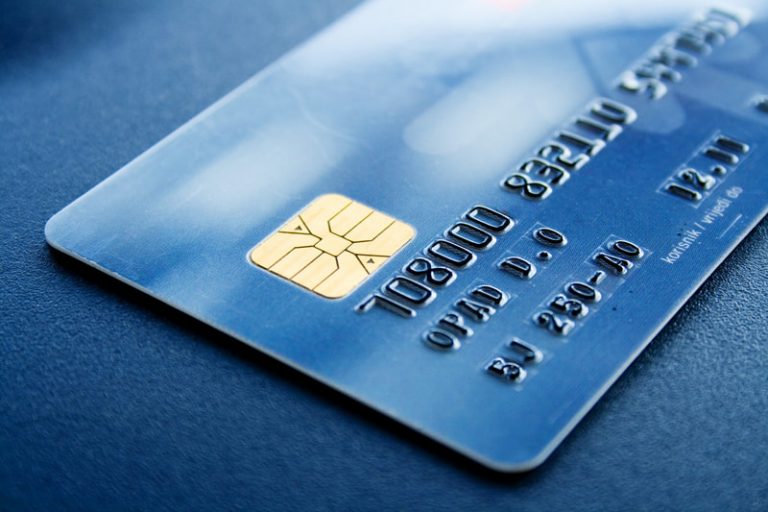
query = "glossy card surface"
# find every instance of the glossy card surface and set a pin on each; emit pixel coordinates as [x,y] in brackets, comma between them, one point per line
[471,215]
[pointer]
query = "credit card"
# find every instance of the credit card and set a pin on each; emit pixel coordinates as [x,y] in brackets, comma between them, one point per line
[471,215]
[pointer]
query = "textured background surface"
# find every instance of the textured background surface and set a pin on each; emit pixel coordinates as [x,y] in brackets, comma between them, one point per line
[110,400]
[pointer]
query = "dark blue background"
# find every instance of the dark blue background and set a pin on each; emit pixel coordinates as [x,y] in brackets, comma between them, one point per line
[110,400]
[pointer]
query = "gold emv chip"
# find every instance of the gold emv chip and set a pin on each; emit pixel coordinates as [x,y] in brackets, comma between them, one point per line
[332,246]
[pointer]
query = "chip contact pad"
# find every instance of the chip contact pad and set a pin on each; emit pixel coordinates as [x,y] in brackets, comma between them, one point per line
[332,245]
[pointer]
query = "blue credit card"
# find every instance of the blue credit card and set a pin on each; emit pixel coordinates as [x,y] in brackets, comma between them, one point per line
[471,215]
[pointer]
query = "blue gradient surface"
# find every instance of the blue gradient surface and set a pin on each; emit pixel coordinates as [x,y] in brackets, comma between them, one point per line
[132,409]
